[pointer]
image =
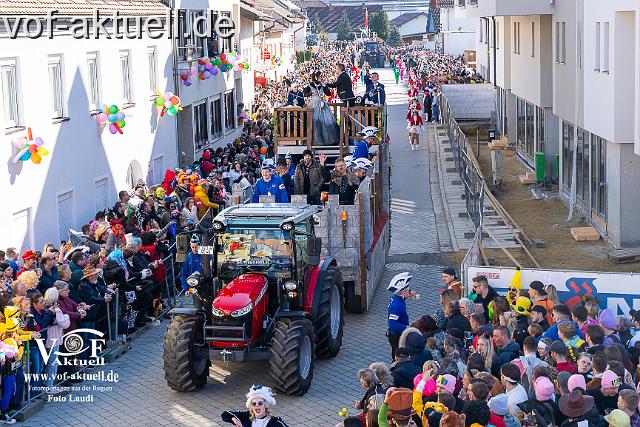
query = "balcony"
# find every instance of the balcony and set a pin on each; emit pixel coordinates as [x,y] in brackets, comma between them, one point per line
[481,8]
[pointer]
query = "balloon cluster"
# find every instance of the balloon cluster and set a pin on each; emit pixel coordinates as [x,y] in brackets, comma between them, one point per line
[113,116]
[242,117]
[276,61]
[209,67]
[30,148]
[168,102]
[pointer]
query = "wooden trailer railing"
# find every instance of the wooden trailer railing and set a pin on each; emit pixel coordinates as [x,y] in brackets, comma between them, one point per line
[294,125]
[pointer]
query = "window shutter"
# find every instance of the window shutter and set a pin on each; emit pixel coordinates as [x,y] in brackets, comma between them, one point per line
[65,213]
[101,192]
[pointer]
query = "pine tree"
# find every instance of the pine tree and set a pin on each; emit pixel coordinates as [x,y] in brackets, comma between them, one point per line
[379,23]
[316,25]
[344,28]
[394,39]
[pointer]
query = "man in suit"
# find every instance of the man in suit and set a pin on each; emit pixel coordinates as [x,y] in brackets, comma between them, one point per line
[374,90]
[343,86]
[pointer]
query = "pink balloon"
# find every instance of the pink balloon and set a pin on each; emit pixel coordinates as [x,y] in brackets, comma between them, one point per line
[112,128]
[101,118]
[236,68]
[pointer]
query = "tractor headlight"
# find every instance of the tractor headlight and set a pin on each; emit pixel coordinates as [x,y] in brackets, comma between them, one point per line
[218,226]
[217,312]
[242,311]
[193,280]
[287,226]
[290,286]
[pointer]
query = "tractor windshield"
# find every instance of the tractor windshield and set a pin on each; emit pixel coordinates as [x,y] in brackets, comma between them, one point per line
[254,249]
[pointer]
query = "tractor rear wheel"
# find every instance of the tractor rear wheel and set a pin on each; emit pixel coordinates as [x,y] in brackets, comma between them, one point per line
[329,322]
[186,357]
[292,356]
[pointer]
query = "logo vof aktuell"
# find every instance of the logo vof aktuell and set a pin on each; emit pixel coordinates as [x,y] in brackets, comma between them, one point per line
[72,344]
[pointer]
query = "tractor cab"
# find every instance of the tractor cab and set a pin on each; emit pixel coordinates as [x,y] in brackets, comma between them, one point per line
[264,294]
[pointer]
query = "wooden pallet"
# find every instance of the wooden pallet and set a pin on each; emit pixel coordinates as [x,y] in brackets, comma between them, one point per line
[582,234]
[621,256]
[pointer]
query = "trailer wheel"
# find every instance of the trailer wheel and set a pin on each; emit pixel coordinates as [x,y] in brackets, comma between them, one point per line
[329,322]
[292,356]
[186,357]
[354,304]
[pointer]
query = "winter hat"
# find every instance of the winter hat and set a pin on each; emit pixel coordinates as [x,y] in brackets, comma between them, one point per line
[447,381]
[607,319]
[262,392]
[499,404]
[523,304]
[543,388]
[618,418]
[610,379]
[576,381]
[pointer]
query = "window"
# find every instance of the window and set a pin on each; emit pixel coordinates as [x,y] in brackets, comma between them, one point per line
[215,111]
[482,30]
[582,159]
[200,135]
[497,41]
[9,94]
[94,82]
[183,19]
[125,77]
[227,42]
[158,169]
[599,176]
[540,130]
[101,194]
[20,230]
[533,39]
[55,87]
[567,154]
[521,122]
[65,214]
[598,39]
[153,73]
[564,43]
[557,42]
[201,26]
[529,130]
[229,111]
[516,37]
[605,47]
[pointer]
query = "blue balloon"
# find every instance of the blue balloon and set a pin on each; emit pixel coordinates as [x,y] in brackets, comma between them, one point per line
[112,118]
[187,82]
[201,68]
[120,116]
[206,75]
[214,71]
[26,156]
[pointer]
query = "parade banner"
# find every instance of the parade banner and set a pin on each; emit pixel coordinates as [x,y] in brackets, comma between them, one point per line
[619,292]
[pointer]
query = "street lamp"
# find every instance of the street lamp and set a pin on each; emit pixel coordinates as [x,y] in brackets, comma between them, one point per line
[192,50]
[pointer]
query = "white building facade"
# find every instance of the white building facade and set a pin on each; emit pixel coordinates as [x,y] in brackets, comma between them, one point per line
[56,87]
[567,78]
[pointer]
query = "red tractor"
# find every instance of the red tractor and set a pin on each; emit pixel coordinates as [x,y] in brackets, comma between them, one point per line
[264,294]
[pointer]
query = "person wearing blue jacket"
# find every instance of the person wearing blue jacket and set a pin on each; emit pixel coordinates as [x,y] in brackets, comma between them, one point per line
[362,148]
[374,90]
[270,185]
[398,318]
[191,264]
[561,313]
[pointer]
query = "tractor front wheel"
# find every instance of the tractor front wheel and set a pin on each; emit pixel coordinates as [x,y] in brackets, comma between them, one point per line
[292,356]
[329,322]
[186,357]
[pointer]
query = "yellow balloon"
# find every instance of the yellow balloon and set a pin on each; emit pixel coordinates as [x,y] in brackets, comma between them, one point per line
[35,158]
[43,151]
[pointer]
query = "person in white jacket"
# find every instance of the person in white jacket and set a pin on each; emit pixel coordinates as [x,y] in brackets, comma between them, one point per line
[189,210]
[54,337]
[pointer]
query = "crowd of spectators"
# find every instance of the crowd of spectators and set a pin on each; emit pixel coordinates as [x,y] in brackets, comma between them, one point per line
[523,359]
